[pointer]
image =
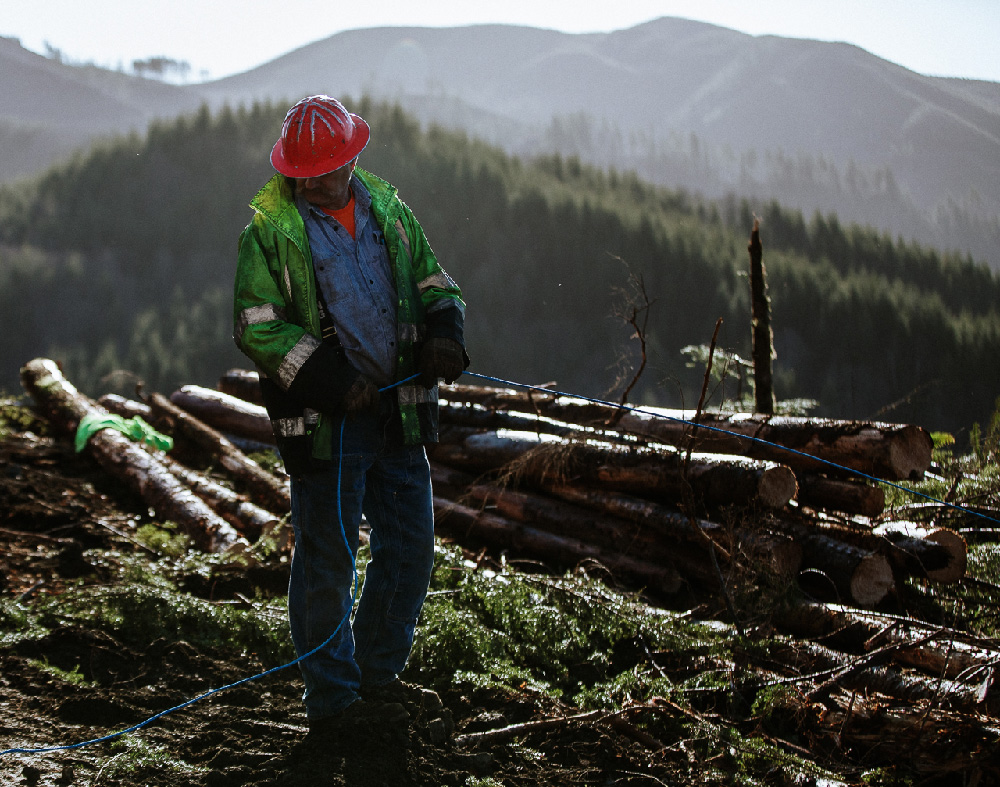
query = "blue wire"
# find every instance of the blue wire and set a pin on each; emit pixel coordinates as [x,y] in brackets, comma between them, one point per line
[549,391]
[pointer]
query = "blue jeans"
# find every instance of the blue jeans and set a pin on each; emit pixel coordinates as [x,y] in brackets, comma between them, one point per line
[391,485]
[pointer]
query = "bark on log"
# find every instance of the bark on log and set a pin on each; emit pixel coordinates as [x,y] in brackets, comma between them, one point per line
[838,494]
[249,519]
[627,538]
[464,523]
[775,551]
[243,384]
[891,451]
[859,575]
[941,553]
[868,674]
[714,480]
[139,469]
[225,413]
[127,408]
[262,486]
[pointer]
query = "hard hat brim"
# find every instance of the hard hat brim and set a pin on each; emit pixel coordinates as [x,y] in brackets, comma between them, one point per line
[326,165]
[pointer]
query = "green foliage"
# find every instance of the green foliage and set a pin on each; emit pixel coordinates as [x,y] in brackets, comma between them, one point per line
[16,417]
[557,636]
[134,756]
[73,676]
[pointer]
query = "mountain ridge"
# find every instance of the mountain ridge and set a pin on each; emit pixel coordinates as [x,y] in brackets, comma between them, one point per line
[818,125]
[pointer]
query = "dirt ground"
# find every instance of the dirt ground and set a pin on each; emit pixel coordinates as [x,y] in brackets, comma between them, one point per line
[55,509]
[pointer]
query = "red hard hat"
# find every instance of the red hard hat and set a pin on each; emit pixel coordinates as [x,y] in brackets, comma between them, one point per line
[318,136]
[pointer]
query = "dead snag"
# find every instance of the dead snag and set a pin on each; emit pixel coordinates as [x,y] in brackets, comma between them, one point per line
[264,488]
[130,462]
[760,321]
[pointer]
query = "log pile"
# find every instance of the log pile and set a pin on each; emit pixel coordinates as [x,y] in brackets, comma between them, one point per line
[654,500]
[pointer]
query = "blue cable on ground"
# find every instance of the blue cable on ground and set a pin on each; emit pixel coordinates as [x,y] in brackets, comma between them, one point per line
[548,391]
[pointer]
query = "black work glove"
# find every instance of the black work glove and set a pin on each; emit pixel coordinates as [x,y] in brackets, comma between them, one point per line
[362,395]
[442,358]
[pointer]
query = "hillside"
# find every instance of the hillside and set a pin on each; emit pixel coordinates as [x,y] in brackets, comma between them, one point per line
[545,253]
[818,126]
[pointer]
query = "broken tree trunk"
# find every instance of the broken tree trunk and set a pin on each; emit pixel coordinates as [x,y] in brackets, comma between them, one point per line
[225,413]
[714,480]
[762,352]
[264,488]
[891,451]
[130,462]
[934,651]
[464,523]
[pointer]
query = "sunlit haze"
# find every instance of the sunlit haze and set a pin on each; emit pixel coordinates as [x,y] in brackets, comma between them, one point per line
[222,37]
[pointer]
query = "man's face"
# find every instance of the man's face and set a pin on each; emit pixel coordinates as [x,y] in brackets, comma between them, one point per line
[331,191]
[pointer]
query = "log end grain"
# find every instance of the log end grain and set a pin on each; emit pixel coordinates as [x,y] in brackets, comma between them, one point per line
[777,487]
[957,554]
[871,580]
[910,451]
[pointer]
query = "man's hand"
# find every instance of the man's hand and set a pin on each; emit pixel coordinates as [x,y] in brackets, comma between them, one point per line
[362,395]
[440,358]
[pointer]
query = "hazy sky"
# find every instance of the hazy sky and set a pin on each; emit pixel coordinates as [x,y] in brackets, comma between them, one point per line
[221,37]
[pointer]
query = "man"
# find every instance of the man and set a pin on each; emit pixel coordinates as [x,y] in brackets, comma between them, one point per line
[338,298]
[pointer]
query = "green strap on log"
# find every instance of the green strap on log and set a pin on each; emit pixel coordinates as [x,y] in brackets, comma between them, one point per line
[135,428]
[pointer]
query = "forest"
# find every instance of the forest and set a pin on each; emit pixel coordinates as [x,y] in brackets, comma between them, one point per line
[119,264]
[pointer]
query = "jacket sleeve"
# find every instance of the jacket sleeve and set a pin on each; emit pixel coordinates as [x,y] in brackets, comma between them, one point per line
[267,326]
[441,297]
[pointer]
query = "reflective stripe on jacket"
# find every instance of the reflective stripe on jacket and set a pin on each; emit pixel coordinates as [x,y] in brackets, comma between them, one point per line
[276,320]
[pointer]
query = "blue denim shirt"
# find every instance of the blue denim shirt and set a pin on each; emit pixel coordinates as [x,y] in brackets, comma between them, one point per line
[355,277]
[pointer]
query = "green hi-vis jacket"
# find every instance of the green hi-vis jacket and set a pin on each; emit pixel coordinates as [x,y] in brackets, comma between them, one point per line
[277,323]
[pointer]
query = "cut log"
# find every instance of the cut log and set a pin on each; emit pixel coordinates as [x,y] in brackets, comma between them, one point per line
[775,551]
[647,473]
[249,519]
[264,488]
[627,538]
[127,408]
[242,384]
[130,462]
[891,451]
[858,575]
[940,553]
[464,524]
[225,413]
[837,494]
